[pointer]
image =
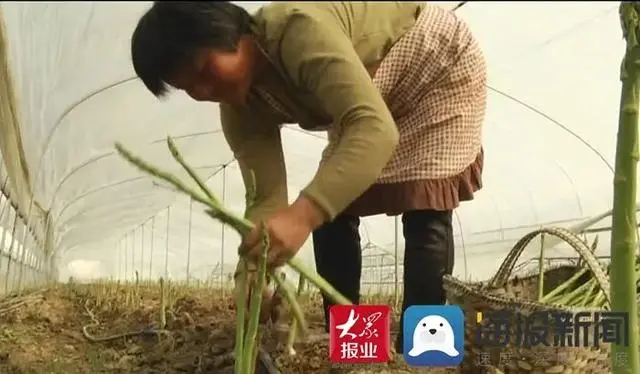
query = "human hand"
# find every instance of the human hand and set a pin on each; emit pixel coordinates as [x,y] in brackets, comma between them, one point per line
[288,229]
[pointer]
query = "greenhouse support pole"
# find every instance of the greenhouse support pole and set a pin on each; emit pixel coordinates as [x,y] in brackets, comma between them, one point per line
[396,291]
[5,201]
[23,255]
[37,274]
[166,248]
[49,249]
[26,223]
[189,242]
[10,251]
[153,234]
[126,257]
[116,259]
[133,253]
[464,247]
[119,260]
[17,265]
[142,250]
[624,357]
[224,198]
[3,238]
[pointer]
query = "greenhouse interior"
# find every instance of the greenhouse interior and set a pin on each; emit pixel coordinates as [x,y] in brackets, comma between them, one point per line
[73,210]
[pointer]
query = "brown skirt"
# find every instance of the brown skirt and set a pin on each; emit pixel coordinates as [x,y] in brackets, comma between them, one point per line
[428,194]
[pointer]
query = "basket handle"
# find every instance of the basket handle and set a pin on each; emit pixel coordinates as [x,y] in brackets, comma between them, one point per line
[504,272]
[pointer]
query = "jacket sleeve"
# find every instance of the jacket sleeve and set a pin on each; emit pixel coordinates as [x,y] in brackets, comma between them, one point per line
[321,59]
[257,148]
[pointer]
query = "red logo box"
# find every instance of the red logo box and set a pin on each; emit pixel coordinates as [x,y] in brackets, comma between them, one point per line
[359,334]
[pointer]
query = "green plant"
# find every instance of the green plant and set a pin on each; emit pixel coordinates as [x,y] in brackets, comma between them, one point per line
[246,341]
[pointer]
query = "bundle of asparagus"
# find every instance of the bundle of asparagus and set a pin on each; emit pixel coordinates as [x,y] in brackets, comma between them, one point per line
[583,294]
[246,347]
[575,291]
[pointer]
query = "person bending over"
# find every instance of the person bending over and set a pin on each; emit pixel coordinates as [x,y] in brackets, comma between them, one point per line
[398,86]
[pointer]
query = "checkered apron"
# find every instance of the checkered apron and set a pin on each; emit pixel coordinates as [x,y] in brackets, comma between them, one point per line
[433,81]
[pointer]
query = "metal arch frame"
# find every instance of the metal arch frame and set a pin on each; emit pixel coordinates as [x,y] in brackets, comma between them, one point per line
[60,119]
[71,237]
[555,122]
[502,227]
[95,93]
[173,247]
[30,258]
[38,170]
[573,185]
[555,161]
[527,227]
[52,132]
[4,191]
[4,201]
[116,184]
[216,172]
[116,241]
[79,243]
[73,201]
[131,213]
[531,202]
[105,155]
[561,126]
[499,214]
[223,167]
[124,202]
[70,109]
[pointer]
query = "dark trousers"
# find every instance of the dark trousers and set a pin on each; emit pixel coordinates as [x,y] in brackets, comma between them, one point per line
[429,254]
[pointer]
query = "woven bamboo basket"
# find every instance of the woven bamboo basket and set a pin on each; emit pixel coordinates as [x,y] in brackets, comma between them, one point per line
[504,292]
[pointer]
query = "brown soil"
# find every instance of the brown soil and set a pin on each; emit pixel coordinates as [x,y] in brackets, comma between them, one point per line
[41,333]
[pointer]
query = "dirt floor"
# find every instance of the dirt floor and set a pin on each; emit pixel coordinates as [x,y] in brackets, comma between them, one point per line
[42,333]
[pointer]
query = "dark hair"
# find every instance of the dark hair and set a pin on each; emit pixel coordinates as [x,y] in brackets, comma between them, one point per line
[171,32]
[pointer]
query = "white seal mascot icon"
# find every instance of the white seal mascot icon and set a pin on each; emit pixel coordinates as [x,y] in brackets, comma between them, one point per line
[433,333]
